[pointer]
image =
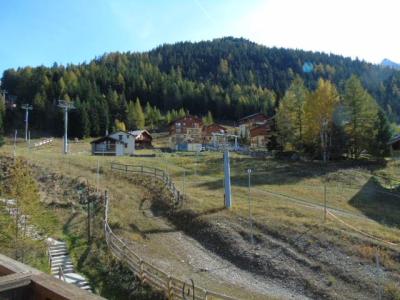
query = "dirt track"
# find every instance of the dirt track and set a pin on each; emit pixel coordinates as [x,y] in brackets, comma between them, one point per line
[214,251]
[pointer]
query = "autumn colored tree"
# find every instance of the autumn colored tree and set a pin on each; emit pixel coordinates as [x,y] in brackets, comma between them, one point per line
[290,116]
[360,116]
[319,109]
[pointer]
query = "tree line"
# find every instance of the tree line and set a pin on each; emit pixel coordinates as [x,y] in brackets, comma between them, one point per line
[225,78]
[325,123]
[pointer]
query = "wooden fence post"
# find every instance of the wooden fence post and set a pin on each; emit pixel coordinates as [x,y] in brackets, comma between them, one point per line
[170,290]
[141,275]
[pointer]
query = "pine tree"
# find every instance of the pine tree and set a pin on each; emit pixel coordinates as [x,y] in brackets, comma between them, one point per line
[119,125]
[208,119]
[85,121]
[382,136]
[130,116]
[360,112]
[139,119]
[291,114]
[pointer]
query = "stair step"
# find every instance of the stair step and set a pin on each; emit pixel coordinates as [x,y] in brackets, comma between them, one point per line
[60,258]
[64,267]
[66,270]
[56,252]
[57,246]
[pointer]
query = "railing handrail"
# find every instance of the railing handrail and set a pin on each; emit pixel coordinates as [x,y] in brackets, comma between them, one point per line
[146,271]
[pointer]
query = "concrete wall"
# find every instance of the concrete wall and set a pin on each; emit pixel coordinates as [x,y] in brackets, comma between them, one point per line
[126,138]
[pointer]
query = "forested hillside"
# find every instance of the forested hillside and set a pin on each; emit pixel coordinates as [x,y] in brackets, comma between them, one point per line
[229,77]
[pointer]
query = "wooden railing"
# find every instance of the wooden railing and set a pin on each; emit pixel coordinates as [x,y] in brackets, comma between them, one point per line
[156,173]
[174,288]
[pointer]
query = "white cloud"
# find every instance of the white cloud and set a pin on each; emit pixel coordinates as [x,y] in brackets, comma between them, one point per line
[367,29]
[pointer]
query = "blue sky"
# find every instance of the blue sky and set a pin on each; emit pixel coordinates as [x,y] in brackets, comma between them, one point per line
[45,31]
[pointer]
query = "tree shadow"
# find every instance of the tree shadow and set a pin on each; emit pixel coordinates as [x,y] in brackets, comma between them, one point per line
[378,203]
[275,172]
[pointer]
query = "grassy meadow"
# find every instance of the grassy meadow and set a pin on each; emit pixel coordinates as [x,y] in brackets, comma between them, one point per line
[283,195]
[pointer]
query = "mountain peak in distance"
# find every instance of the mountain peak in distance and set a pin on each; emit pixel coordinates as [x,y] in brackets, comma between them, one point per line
[390,64]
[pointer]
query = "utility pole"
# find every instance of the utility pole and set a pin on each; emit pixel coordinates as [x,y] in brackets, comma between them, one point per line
[15,144]
[27,108]
[227,173]
[325,208]
[184,181]
[65,105]
[88,219]
[250,219]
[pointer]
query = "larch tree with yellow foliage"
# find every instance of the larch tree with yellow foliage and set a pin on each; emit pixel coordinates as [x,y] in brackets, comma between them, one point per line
[361,112]
[290,117]
[319,110]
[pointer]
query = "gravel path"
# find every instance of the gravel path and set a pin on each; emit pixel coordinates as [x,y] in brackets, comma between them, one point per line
[185,258]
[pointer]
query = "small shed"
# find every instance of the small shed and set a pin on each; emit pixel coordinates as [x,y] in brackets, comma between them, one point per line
[108,146]
[117,143]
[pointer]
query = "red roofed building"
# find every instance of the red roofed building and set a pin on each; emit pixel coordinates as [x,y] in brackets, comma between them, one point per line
[248,122]
[186,130]
[260,135]
[208,131]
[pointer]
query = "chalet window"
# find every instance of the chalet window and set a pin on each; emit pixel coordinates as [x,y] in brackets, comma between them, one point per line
[178,124]
[127,136]
[120,137]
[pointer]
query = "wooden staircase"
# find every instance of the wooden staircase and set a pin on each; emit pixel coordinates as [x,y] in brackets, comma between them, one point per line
[61,264]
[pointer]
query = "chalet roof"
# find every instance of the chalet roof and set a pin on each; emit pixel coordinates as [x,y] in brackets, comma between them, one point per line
[106,138]
[215,125]
[260,130]
[185,117]
[252,116]
[138,132]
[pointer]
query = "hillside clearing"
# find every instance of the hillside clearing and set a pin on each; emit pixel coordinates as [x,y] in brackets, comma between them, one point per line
[295,249]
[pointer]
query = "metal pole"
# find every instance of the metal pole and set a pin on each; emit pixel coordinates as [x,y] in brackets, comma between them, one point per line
[15,144]
[325,211]
[184,179]
[250,218]
[98,176]
[65,105]
[88,218]
[227,182]
[29,139]
[26,123]
[65,130]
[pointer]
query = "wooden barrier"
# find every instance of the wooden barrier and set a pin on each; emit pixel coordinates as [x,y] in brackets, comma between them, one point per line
[156,173]
[147,272]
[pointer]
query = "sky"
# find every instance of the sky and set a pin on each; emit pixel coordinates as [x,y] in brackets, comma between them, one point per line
[36,32]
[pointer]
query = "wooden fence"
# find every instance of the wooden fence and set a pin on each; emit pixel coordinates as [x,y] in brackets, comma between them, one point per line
[174,288]
[156,173]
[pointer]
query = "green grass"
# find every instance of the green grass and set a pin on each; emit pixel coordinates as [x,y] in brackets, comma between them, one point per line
[350,187]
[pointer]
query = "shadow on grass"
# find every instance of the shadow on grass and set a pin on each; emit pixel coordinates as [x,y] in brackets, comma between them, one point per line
[273,172]
[67,225]
[144,233]
[378,203]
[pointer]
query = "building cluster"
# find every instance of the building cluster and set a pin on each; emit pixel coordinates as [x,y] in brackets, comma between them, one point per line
[122,143]
[189,133]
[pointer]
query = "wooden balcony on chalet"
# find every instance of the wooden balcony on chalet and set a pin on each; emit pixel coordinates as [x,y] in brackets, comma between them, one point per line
[21,282]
